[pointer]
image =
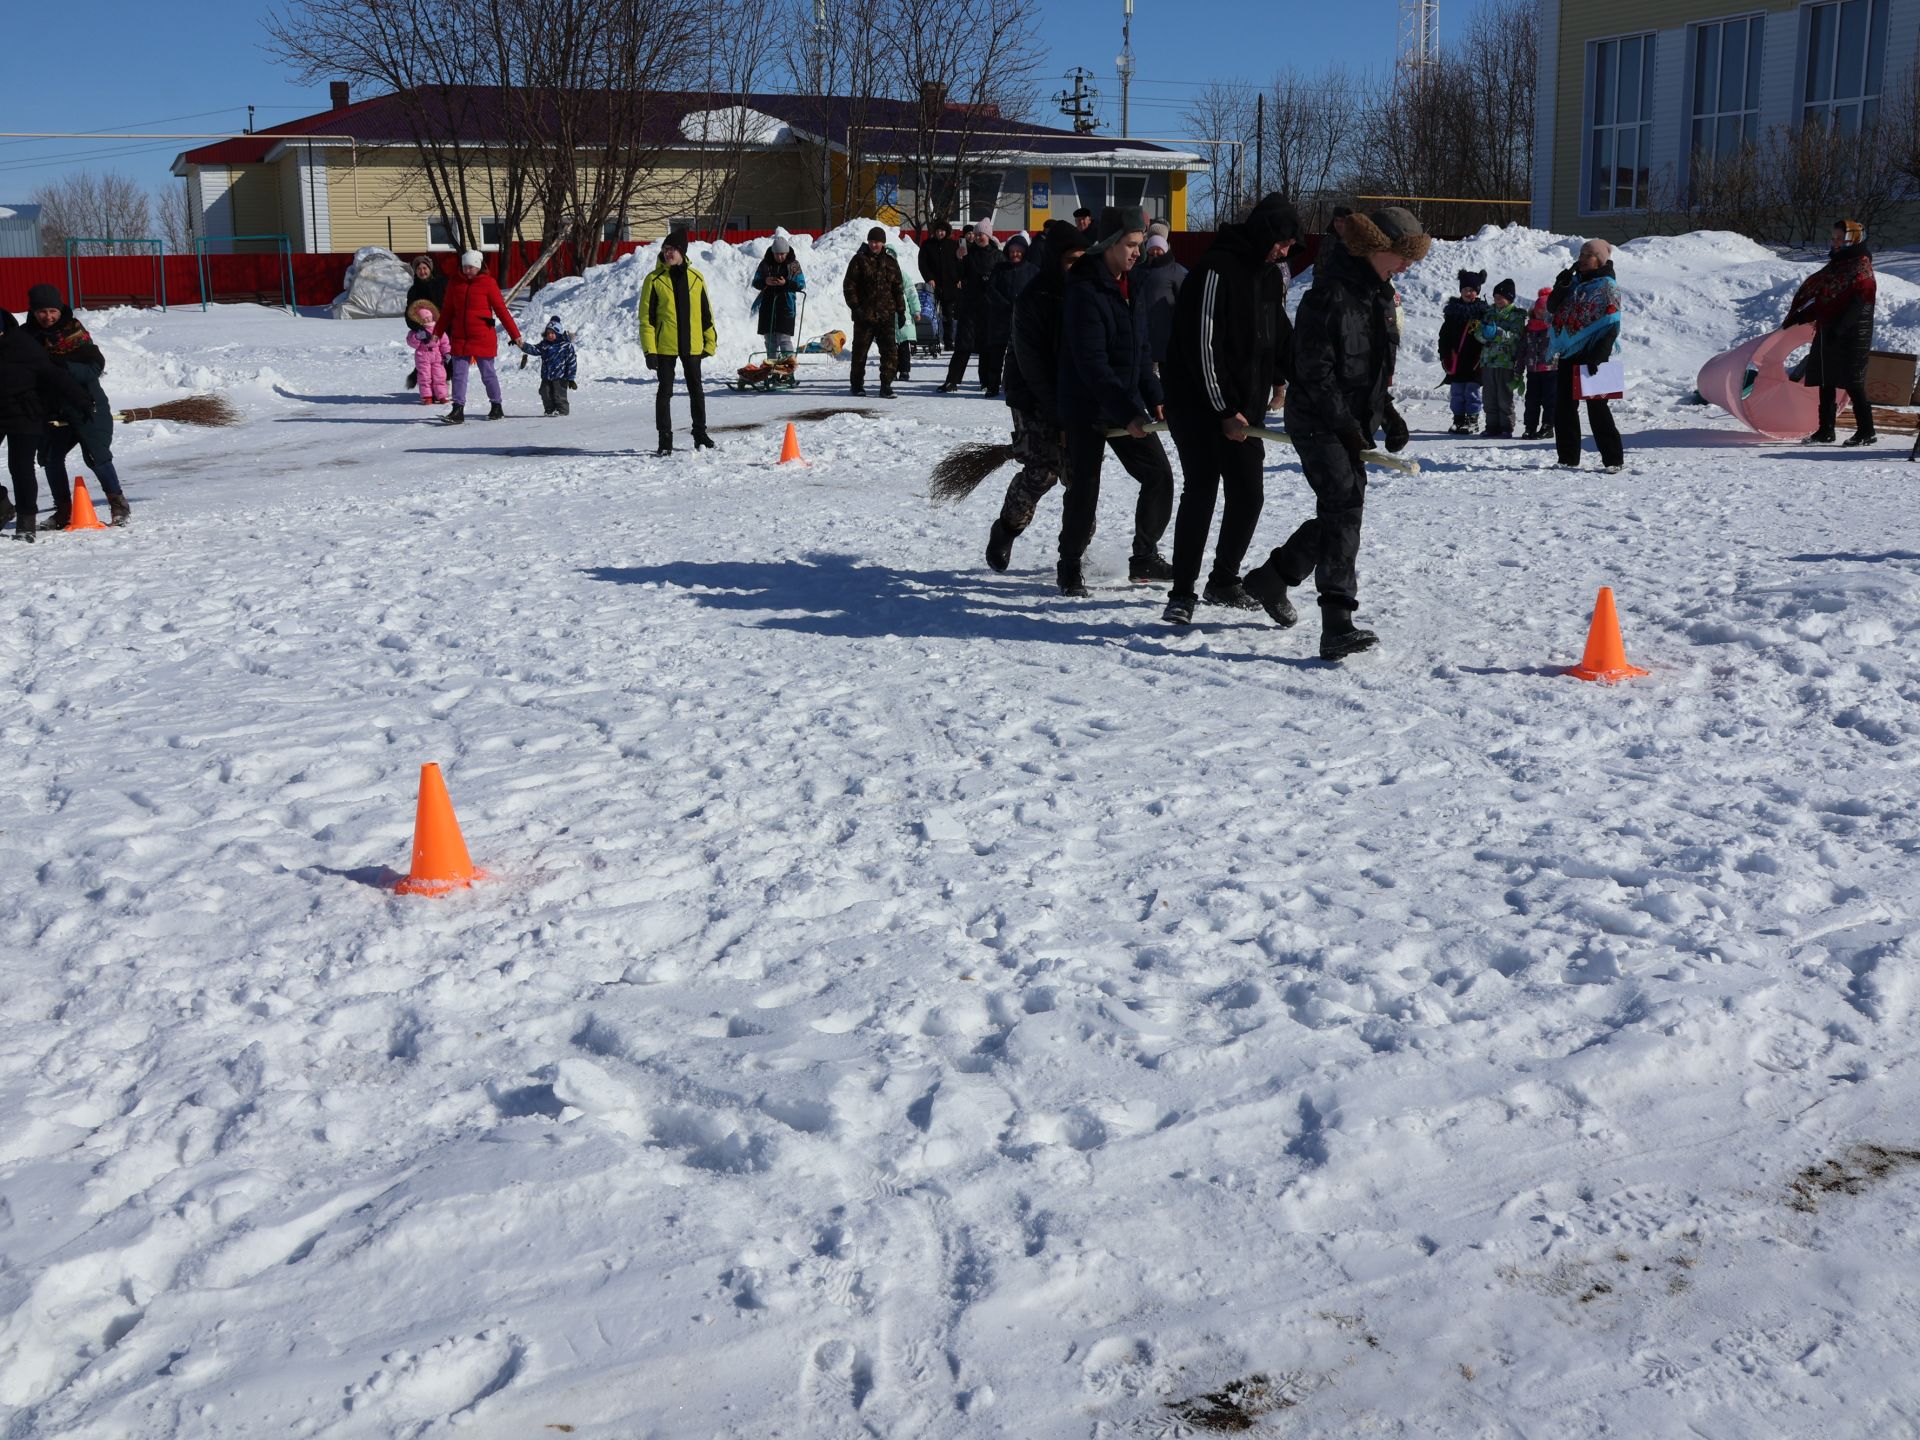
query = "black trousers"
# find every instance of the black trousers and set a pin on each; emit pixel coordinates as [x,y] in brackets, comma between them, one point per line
[993,359]
[1327,547]
[1144,459]
[1540,399]
[868,334]
[1566,422]
[968,341]
[1208,462]
[663,401]
[1856,396]
[21,449]
[554,398]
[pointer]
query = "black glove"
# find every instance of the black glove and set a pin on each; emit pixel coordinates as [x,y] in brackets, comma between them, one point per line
[573,384]
[1396,428]
[1354,443]
[1592,369]
[900,321]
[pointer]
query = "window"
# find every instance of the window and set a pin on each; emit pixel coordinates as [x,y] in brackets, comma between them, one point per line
[1846,59]
[1726,87]
[491,234]
[1091,191]
[614,232]
[983,196]
[1129,189]
[442,233]
[1621,92]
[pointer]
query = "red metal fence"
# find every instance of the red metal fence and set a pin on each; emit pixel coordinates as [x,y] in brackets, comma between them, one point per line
[105,280]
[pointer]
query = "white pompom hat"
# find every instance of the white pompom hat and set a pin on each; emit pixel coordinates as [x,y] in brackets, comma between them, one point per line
[475,259]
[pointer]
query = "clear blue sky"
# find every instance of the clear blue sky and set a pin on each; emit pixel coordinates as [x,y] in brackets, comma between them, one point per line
[197,67]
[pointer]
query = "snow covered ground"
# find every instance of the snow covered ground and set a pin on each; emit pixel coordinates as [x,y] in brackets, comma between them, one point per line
[908,1003]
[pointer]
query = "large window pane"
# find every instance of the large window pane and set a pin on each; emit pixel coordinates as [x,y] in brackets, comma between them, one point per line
[1755,35]
[1603,65]
[1629,102]
[1706,69]
[1626,150]
[1820,22]
[1728,139]
[1129,189]
[1646,80]
[1091,191]
[1600,192]
[1850,63]
[1876,47]
[1643,176]
[1846,119]
[1733,66]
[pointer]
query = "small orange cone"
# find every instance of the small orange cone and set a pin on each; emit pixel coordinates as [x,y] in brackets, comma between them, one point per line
[1606,657]
[440,860]
[83,517]
[790,447]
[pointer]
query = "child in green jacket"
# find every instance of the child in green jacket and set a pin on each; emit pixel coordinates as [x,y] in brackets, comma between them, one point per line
[1501,332]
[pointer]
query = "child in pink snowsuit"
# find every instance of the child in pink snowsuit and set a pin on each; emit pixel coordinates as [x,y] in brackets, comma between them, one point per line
[430,352]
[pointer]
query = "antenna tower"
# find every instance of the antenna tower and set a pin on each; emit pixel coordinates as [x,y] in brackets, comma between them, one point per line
[1123,65]
[1419,34]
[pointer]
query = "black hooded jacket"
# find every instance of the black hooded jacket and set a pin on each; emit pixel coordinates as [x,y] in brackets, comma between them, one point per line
[32,385]
[1032,371]
[1344,349]
[1232,342]
[940,266]
[1106,369]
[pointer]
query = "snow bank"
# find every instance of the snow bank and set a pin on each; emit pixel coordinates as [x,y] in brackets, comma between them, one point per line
[600,306]
[1686,298]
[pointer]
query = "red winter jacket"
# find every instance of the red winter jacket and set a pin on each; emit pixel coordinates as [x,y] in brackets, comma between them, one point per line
[465,317]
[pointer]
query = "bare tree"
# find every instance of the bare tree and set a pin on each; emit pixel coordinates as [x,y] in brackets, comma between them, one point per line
[740,57]
[1311,124]
[1222,113]
[89,204]
[173,218]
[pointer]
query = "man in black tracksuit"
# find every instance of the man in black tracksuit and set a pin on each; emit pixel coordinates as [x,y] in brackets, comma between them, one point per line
[1107,383]
[1345,344]
[1032,378]
[1225,367]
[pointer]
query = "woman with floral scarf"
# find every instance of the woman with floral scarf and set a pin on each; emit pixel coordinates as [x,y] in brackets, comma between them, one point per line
[1584,313]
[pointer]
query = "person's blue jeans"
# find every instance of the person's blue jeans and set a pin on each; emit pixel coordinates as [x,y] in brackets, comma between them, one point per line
[1465,395]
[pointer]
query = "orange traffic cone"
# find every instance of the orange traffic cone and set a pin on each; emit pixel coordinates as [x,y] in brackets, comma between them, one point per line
[82,517]
[1606,657]
[790,447]
[440,861]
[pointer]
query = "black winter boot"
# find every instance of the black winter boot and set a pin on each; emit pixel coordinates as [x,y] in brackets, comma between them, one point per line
[1179,609]
[23,528]
[666,445]
[1265,587]
[703,441]
[1340,637]
[1823,436]
[495,412]
[59,520]
[456,416]
[1000,547]
[1067,575]
[122,512]
[1149,569]
[1230,593]
[1867,435]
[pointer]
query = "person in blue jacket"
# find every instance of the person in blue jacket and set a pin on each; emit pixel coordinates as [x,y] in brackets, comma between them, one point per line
[558,366]
[1107,383]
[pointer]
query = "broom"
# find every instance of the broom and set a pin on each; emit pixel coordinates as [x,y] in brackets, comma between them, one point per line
[209,410]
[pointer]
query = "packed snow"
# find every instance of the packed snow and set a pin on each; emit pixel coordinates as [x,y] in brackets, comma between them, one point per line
[904,1002]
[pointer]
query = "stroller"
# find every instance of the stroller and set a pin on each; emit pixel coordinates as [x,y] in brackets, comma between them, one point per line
[926,326]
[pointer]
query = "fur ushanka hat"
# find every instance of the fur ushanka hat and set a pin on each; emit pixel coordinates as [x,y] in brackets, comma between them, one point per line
[1394,228]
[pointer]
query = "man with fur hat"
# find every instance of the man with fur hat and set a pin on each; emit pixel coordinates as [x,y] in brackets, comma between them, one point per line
[1838,300]
[877,297]
[1345,344]
[1227,363]
[1460,350]
[1032,379]
[977,265]
[1107,383]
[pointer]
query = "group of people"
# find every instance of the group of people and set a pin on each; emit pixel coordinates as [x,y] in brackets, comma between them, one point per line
[52,403]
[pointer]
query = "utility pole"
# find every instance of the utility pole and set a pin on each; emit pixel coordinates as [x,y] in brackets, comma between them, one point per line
[1123,66]
[1079,104]
[1259,144]
[1419,35]
[826,113]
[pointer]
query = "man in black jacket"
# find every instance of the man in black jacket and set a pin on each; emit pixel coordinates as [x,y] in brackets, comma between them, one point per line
[1107,383]
[940,268]
[1226,367]
[1345,343]
[31,385]
[977,265]
[1032,376]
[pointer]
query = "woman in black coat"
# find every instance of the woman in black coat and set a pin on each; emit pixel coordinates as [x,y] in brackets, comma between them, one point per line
[1839,300]
[31,385]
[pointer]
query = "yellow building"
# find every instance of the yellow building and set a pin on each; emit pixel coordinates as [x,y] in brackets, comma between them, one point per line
[353,175]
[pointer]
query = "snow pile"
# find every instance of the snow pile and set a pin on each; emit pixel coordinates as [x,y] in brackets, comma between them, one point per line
[376,286]
[601,306]
[1686,298]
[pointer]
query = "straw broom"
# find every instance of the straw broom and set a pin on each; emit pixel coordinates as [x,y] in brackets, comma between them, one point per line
[213,411]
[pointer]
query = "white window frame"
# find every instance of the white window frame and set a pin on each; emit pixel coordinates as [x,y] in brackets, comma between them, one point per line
[1080,199]
[1861,104]
[1641,126]
[498,224]
[1113,185]
[1747,112]
[452,228]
